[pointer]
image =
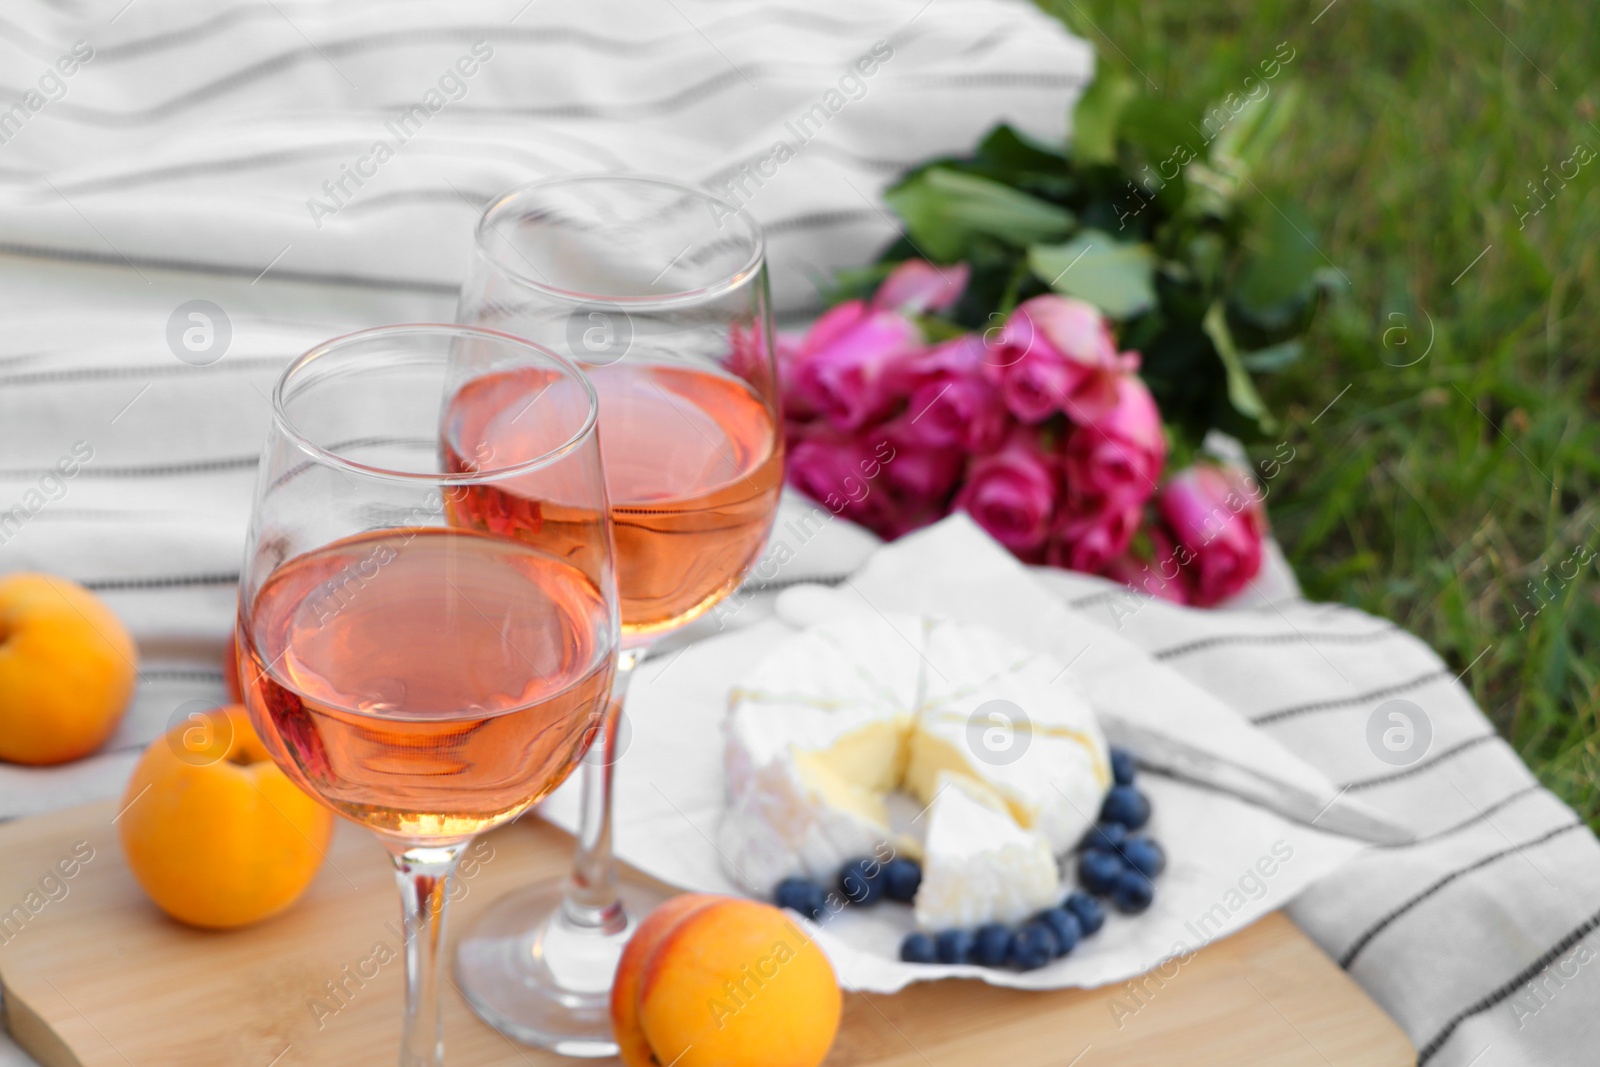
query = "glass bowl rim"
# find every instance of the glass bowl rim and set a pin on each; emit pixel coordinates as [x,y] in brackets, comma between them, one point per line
[649,302]
[331,458]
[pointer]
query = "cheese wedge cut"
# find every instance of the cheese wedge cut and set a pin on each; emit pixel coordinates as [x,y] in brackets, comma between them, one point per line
[1006,718]
[978,865]
[838,717]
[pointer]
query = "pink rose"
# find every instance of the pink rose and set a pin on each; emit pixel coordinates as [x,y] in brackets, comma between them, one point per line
[1012,494]
[1119,457]
[920,477]
[1057,354]
[1217,519]
[953,402]
[848,366]
[1088,542]
[1159,575]
[917,286]
[844,475]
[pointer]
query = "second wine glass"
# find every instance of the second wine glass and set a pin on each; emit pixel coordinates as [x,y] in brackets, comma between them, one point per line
[659,292]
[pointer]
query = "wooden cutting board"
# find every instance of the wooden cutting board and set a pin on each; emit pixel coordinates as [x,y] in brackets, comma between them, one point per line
[97,977]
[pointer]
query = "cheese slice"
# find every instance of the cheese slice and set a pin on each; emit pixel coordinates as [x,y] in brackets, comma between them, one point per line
[979,866]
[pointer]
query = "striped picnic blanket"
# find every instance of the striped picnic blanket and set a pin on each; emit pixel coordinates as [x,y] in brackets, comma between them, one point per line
[306,167]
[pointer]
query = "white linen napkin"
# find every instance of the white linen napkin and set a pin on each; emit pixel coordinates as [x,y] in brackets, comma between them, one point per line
[953,568]
[1230,862]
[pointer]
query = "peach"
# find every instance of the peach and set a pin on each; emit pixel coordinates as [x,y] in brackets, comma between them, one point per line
[213,831]
[713,981]
[67,668]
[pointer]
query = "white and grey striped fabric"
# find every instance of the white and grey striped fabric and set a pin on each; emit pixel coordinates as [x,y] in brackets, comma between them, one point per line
[164,152]
[1478,936]
[353,144]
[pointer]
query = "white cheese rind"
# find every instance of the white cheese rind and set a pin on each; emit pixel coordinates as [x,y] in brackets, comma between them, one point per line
[979,866]
[1022,730]
[779,826]
[820,685]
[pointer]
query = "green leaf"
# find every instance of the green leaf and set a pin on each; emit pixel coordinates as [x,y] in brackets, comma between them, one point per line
[1011,149]
[1273,357]
[1094,123]
[1159,128]
[1116,278]
[944,209]
[1244,142]
[1283,259]
[1031,166]
[1241,389]
[1206,252]
[856,283]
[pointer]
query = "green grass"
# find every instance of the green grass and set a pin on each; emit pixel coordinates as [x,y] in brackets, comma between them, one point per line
[1440,494]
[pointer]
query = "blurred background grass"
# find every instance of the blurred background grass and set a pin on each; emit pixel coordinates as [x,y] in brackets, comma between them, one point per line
[1452,486]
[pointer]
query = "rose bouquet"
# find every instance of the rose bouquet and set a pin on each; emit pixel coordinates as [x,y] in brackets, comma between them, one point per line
[1041,430]
[1015,357]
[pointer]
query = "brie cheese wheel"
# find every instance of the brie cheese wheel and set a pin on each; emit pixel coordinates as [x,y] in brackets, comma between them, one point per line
[979,866]
[839,716]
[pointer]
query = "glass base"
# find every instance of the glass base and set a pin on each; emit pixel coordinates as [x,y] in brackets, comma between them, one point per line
[541,979]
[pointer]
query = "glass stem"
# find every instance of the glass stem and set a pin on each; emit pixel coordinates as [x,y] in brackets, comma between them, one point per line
[423,875]
[591,901]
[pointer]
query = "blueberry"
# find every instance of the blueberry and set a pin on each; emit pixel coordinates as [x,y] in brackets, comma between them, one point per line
[1122,766]
[955,946]
[1064,925]
[918,947]
[1126,805]
[1144,856]
[861,881]
[1106,836]
[1098,871]
[1087,910]
[1055,942]
[1032,947]
[802,895]
[991,943]
[901,877]
[1132,892]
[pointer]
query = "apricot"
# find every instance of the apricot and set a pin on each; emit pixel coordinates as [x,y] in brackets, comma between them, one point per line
[713,981]
[67,668]
[633,1049]
[213,831]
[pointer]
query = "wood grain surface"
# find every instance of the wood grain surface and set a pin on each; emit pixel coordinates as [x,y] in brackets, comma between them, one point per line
[95,976]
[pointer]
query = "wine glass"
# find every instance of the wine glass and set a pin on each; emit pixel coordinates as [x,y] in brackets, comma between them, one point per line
[659,292]
[422,677]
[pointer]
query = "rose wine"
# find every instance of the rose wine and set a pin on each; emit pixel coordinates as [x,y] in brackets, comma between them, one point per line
[427,682]
[693,468]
